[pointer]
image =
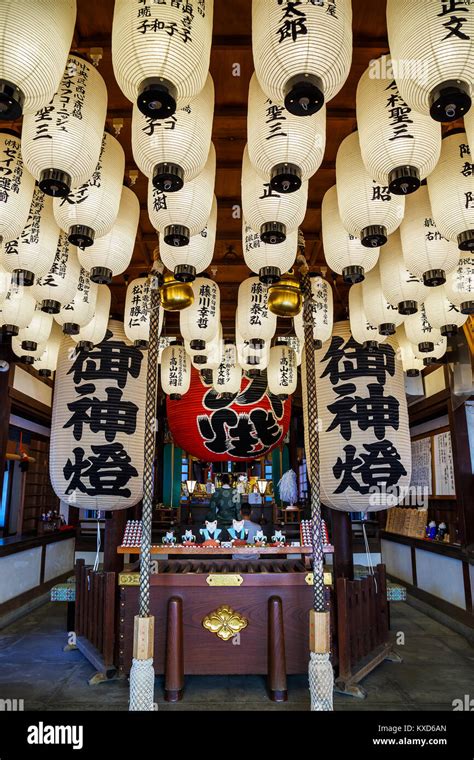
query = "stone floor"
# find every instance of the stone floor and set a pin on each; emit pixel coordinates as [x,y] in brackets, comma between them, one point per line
[437,667]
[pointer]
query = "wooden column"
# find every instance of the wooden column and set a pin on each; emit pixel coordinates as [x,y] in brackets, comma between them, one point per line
[462,473]
[174,670]
[276,651]
[6,379]
[115,522]
[342,542]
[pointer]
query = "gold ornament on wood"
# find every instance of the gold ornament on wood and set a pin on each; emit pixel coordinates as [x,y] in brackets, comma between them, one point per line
[224,622]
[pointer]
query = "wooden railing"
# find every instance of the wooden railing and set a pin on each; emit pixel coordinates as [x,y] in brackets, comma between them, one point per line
[95,615]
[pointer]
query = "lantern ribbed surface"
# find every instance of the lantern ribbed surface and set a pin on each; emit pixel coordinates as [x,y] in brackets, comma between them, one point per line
[398,283]
[377,308]
[341,249]
[21,352]
[362,201]
[18,308]
[39,329]
[295,343]
[200,321]
[282,371]
[175,373]
[212,353]
[227,377]
[258,255]
[459,285]
[431,45]
[67,134]
[199,251]
[439,350]
[254,320]
[407,352]
[451,189]
[5,282]
[136,317]
[361,328]
[16,186]
[47,362]
[189,207]
[441,312]
[322,308]
[391,134]
[36,37]
[423,246]
[94,332]
[250,358]
[81,308]
[145,46]
[61,281]
[419,330]
[469,126]
[288,41]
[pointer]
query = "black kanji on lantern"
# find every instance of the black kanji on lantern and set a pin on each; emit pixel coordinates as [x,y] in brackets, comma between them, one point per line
[379,467]
[108,469]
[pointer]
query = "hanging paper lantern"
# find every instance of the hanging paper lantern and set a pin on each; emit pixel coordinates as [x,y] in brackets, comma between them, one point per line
[94,332]
[426,253]
[137,312]
[98,423]
[199,323]
[451,191]
[433,357]
[364,439]
[175,371]
[295,343]
[175,295]
[5,282]
[37,332]
[26,357]
[302,52]
[469,126]
[368,210]
[216,429]
[252,355]
[210,356]
[362,330]
[254,321]
[443,314]
[399,146]
[17,310]
[186,260]
[322,311]
[59,285]
[16,185]
[163,342]
[285,298]
[173,150]
[459,287]
[379,311]
[343,252]
[46,363]
[412,365]
[112,253]
[181,214]
[400,287]
[31,255]
[61,142]
[161,56]
[282,147]
[36,38]
[227,378]
[80,310]
[432,45]
[273,215]
[268,260]
[282,373]
[421,332]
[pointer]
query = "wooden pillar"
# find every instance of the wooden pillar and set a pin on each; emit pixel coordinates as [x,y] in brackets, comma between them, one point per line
[6,379]
[462,473]
[115,522]
[174,669]
[276,651]
[342,542]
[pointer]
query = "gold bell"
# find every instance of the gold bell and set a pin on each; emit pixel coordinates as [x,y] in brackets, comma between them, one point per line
[284,297]
[175,295]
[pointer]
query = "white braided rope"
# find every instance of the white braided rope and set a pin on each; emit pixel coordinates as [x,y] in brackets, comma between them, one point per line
[321,682]
[142,686]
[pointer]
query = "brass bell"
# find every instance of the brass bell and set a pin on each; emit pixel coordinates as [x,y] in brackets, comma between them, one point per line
[284,297]
[175,295]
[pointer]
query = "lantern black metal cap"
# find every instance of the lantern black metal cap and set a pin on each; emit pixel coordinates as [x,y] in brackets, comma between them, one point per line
[352,275]
[404,180]
[466,241]
[255,360]
[254,373]
[71,328]
[55,182]
[269,275]
[11,101]
[184,273]
[29,345]
[256,343]
[81,235]
[206,375]
[197,345]
[285,178]
[317,344]
[157,98]
[407,307]
[27,359]
[168,178]
[449,331]
[370,346]
[200,359]
[10,331]
[434,277]
[428,361]
[23,277]
[50,306]
[467,307]
[414,372]
[143,344]
[44,373]
[176,235]
[85,345]
[373,236]
[101,275]
[304,95]
[450,100]
[273,233]
[426,347]
[387,328]
[175,396]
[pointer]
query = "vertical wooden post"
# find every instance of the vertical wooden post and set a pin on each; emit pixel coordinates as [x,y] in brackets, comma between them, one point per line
[114,529]
[462,473]
[276,651]
[174,669]
[342,541]
[343,630]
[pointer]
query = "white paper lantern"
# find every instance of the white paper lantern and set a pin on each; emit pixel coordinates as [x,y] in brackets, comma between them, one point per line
[302,52]
[343,252]
[5,282]
[412,365]
[399,146]
[46,364]
[37,332]
[61,142]
[174,150]
[362,330]
[421,332]
[16,185]
[112,253]
[426,253]
[268,260]
[185,261]
[137,312]
[199,323]
[94,332]
[443,314]
[295,343]
[17,310]
[322,311]
[433,357]
[253,356]
[181,214]
[161,52]
[210,356]
[469,126]
[36,38]
[282,372]
[59,285]
[379,311]
[367,209]
[254,320]
[459,286]
[80,310]
[451,191]
[226,379]
[400,286]
[432,45]
[175,371]
[26,357]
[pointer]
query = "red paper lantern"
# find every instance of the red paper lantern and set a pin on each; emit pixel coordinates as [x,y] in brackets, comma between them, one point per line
[216,429]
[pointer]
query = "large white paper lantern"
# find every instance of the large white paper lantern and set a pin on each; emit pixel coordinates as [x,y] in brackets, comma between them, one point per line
[412,365]
[421,332]
[26,357]
[112,253]
[17,310]
[254,320]
[175,372]
[322,308]
[363,331]
[451,191]
[295,343]
[282,371]
[302,52]
[400,286]
[174,150]
[184,213]
[379,311]
[61,142]
[227,378]
[16,186]
[31,255]
[343,252]
[367,209]
[253,356]
[459,286]
[80,310]
[137,312]
[37,332]
[94,332]
[443,314]
[282,147]
[161,52]
[433,357]
[426,253]
[432,45]
[199,323]
[59,285]
[399,146]
[273,215]
[268,260]
[46,364]
[36,37]
[187,260]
